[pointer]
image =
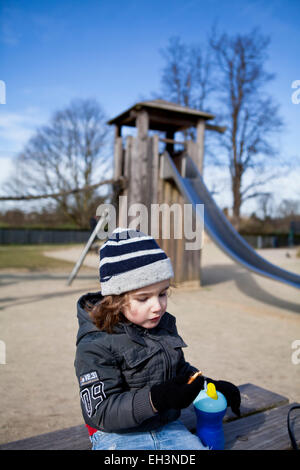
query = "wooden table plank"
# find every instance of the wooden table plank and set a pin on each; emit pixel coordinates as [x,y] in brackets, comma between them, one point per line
[254,400]
[262,431]
[74,438]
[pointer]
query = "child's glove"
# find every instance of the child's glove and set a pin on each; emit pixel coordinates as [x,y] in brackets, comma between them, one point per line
[175,393]
[230,392]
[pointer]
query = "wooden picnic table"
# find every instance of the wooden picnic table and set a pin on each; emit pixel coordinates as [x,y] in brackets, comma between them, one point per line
[261,426]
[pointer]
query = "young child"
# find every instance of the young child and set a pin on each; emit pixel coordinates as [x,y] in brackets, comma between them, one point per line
[129,362]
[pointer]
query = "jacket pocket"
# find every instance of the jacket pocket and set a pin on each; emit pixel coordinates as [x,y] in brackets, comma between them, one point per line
[136,357]
[175,342]
[143,366]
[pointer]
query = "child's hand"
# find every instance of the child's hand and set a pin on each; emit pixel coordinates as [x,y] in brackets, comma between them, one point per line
[175,393]
[231,393]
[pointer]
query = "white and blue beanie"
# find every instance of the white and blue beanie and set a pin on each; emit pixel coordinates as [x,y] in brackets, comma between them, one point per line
[129,260]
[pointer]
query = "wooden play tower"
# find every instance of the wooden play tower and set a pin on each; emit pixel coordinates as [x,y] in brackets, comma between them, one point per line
[138,160]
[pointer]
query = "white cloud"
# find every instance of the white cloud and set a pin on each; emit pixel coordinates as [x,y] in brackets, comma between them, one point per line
[17,128]
[6,166]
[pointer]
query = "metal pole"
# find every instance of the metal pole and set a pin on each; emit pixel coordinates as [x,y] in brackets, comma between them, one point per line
[100,224]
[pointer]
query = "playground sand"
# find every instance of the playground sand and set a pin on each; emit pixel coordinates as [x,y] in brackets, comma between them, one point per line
[238,327]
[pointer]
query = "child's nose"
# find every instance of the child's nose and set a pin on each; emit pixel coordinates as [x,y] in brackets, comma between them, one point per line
[156,306]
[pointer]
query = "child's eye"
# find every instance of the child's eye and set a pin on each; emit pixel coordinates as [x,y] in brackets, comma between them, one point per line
[144,299]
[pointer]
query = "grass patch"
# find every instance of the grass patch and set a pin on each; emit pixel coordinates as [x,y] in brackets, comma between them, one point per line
[31,257]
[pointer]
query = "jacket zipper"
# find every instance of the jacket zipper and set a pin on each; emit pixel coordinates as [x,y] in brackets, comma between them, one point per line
[167,356]
[168,361]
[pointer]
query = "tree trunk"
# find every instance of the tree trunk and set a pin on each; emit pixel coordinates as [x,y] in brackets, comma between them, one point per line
[237,199]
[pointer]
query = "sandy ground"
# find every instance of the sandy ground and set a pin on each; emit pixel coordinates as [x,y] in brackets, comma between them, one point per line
[238,326]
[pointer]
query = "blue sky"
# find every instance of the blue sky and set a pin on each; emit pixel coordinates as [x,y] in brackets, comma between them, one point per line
[52,51]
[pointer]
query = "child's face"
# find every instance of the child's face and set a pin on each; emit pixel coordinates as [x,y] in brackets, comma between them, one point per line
[147,305]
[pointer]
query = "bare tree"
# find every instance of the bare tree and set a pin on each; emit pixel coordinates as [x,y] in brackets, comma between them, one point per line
[265,204]
[288,207]
[67,154]
[251,116]
[186,76]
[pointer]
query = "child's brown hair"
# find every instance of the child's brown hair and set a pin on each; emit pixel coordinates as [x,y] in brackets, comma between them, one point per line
[108,311]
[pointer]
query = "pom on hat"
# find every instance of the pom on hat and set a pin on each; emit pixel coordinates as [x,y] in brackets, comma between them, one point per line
[129,260]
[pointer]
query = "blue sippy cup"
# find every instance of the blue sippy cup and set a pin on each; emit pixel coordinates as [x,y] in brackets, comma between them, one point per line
[210,407]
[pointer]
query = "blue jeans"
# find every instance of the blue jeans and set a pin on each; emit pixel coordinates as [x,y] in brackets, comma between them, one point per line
[172,436]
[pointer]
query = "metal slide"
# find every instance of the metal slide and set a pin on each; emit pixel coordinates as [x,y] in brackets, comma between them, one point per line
[193,189]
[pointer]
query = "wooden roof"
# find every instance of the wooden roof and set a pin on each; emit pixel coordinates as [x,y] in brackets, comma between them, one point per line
[163,115]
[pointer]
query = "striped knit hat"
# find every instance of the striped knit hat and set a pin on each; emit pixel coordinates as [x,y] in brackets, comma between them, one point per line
[129,260]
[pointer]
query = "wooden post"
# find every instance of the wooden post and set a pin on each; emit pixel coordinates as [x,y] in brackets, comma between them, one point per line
[118,158]
[118,131]
[170,145]
[122,213]
[154,173]
[200,129]
[142,124]
[139,180]
[118,170]
[198,159]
